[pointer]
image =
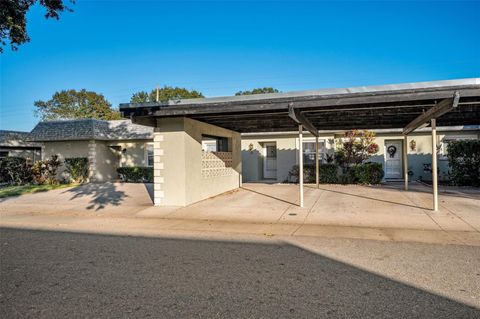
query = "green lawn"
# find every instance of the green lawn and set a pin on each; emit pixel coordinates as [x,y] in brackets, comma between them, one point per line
[27,189]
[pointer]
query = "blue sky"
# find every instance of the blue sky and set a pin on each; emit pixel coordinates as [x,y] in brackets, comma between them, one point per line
[118,48]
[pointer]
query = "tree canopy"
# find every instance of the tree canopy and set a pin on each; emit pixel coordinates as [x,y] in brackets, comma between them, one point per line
[258,91]
[13,22]
[72,104]
[164,94]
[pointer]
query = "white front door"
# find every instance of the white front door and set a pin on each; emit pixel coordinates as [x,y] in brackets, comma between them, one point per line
[393,159]
[270,160]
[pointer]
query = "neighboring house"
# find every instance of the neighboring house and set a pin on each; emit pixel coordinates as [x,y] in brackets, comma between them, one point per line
[14,143]
[107,144]
[269,157]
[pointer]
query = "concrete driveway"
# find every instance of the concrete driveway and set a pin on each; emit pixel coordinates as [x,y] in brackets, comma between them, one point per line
[90,199]
[255,205]
[336,205]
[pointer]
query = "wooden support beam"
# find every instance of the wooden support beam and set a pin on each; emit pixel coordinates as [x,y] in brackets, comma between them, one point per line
[299,118]
[446,105]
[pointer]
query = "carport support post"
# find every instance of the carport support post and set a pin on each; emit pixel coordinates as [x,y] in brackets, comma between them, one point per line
[405,161]
[317,177]
[434,165]
[300,162]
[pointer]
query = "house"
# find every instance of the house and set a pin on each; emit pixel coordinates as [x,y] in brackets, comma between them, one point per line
[270,156]
[15,143]
[107,144]
[267,157]
[203,147]
[210,151]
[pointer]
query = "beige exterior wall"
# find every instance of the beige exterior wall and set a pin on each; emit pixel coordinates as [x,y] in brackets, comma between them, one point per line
[65,149]
[106,163]
[287,152]
[134,154]
[29,154]
[103,159]
[178,162]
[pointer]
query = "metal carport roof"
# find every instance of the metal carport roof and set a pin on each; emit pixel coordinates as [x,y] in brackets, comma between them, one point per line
[368,107]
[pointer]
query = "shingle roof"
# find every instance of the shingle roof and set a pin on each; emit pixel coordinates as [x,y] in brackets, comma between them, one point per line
[89,129]
[16,138]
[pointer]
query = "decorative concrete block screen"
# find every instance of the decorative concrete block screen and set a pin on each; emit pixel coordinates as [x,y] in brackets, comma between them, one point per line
[217,164]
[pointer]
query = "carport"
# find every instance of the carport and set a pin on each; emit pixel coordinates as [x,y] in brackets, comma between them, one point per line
[180,126]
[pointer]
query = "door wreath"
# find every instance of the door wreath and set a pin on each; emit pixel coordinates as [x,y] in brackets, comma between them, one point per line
[391,150]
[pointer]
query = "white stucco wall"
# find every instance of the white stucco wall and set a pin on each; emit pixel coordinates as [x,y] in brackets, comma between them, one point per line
[182,182]
[287,152]
[134,153]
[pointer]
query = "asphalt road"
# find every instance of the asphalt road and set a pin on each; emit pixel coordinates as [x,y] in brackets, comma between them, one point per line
[58,275]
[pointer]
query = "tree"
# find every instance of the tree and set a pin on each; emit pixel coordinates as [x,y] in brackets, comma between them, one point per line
[13,22]
[164,94]
[356,146]
[258,91]
[72,104]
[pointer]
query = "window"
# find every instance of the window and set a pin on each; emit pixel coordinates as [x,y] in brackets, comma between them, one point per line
[309,152]
[209,145]
[149,154]
[214,144]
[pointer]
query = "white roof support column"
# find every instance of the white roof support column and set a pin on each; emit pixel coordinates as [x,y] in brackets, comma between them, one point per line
[317,165]
[434,165]
[405,161]
[300,162]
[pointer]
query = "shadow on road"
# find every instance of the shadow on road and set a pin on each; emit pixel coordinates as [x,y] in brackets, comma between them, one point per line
[54,274]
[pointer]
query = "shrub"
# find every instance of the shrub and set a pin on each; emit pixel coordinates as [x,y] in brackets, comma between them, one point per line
[136,174]
[45,172]
[347,177]
[464,161]
[369,173]
[327,173]
[15,170]
[77,168]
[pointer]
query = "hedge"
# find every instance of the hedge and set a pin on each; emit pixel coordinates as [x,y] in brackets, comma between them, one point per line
[464,162]
[136,174]
[369,173]
[327,173]
[15,170]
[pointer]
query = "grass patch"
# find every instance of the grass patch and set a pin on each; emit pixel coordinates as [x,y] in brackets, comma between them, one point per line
[28,189]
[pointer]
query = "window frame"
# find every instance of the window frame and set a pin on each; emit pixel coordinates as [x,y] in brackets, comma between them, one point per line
[322,151]
[147,156]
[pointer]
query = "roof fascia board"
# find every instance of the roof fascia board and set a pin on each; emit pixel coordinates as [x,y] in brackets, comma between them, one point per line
[376,89]
[305,105]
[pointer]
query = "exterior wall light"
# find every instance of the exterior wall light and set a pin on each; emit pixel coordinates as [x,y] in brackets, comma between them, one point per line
[413,145]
